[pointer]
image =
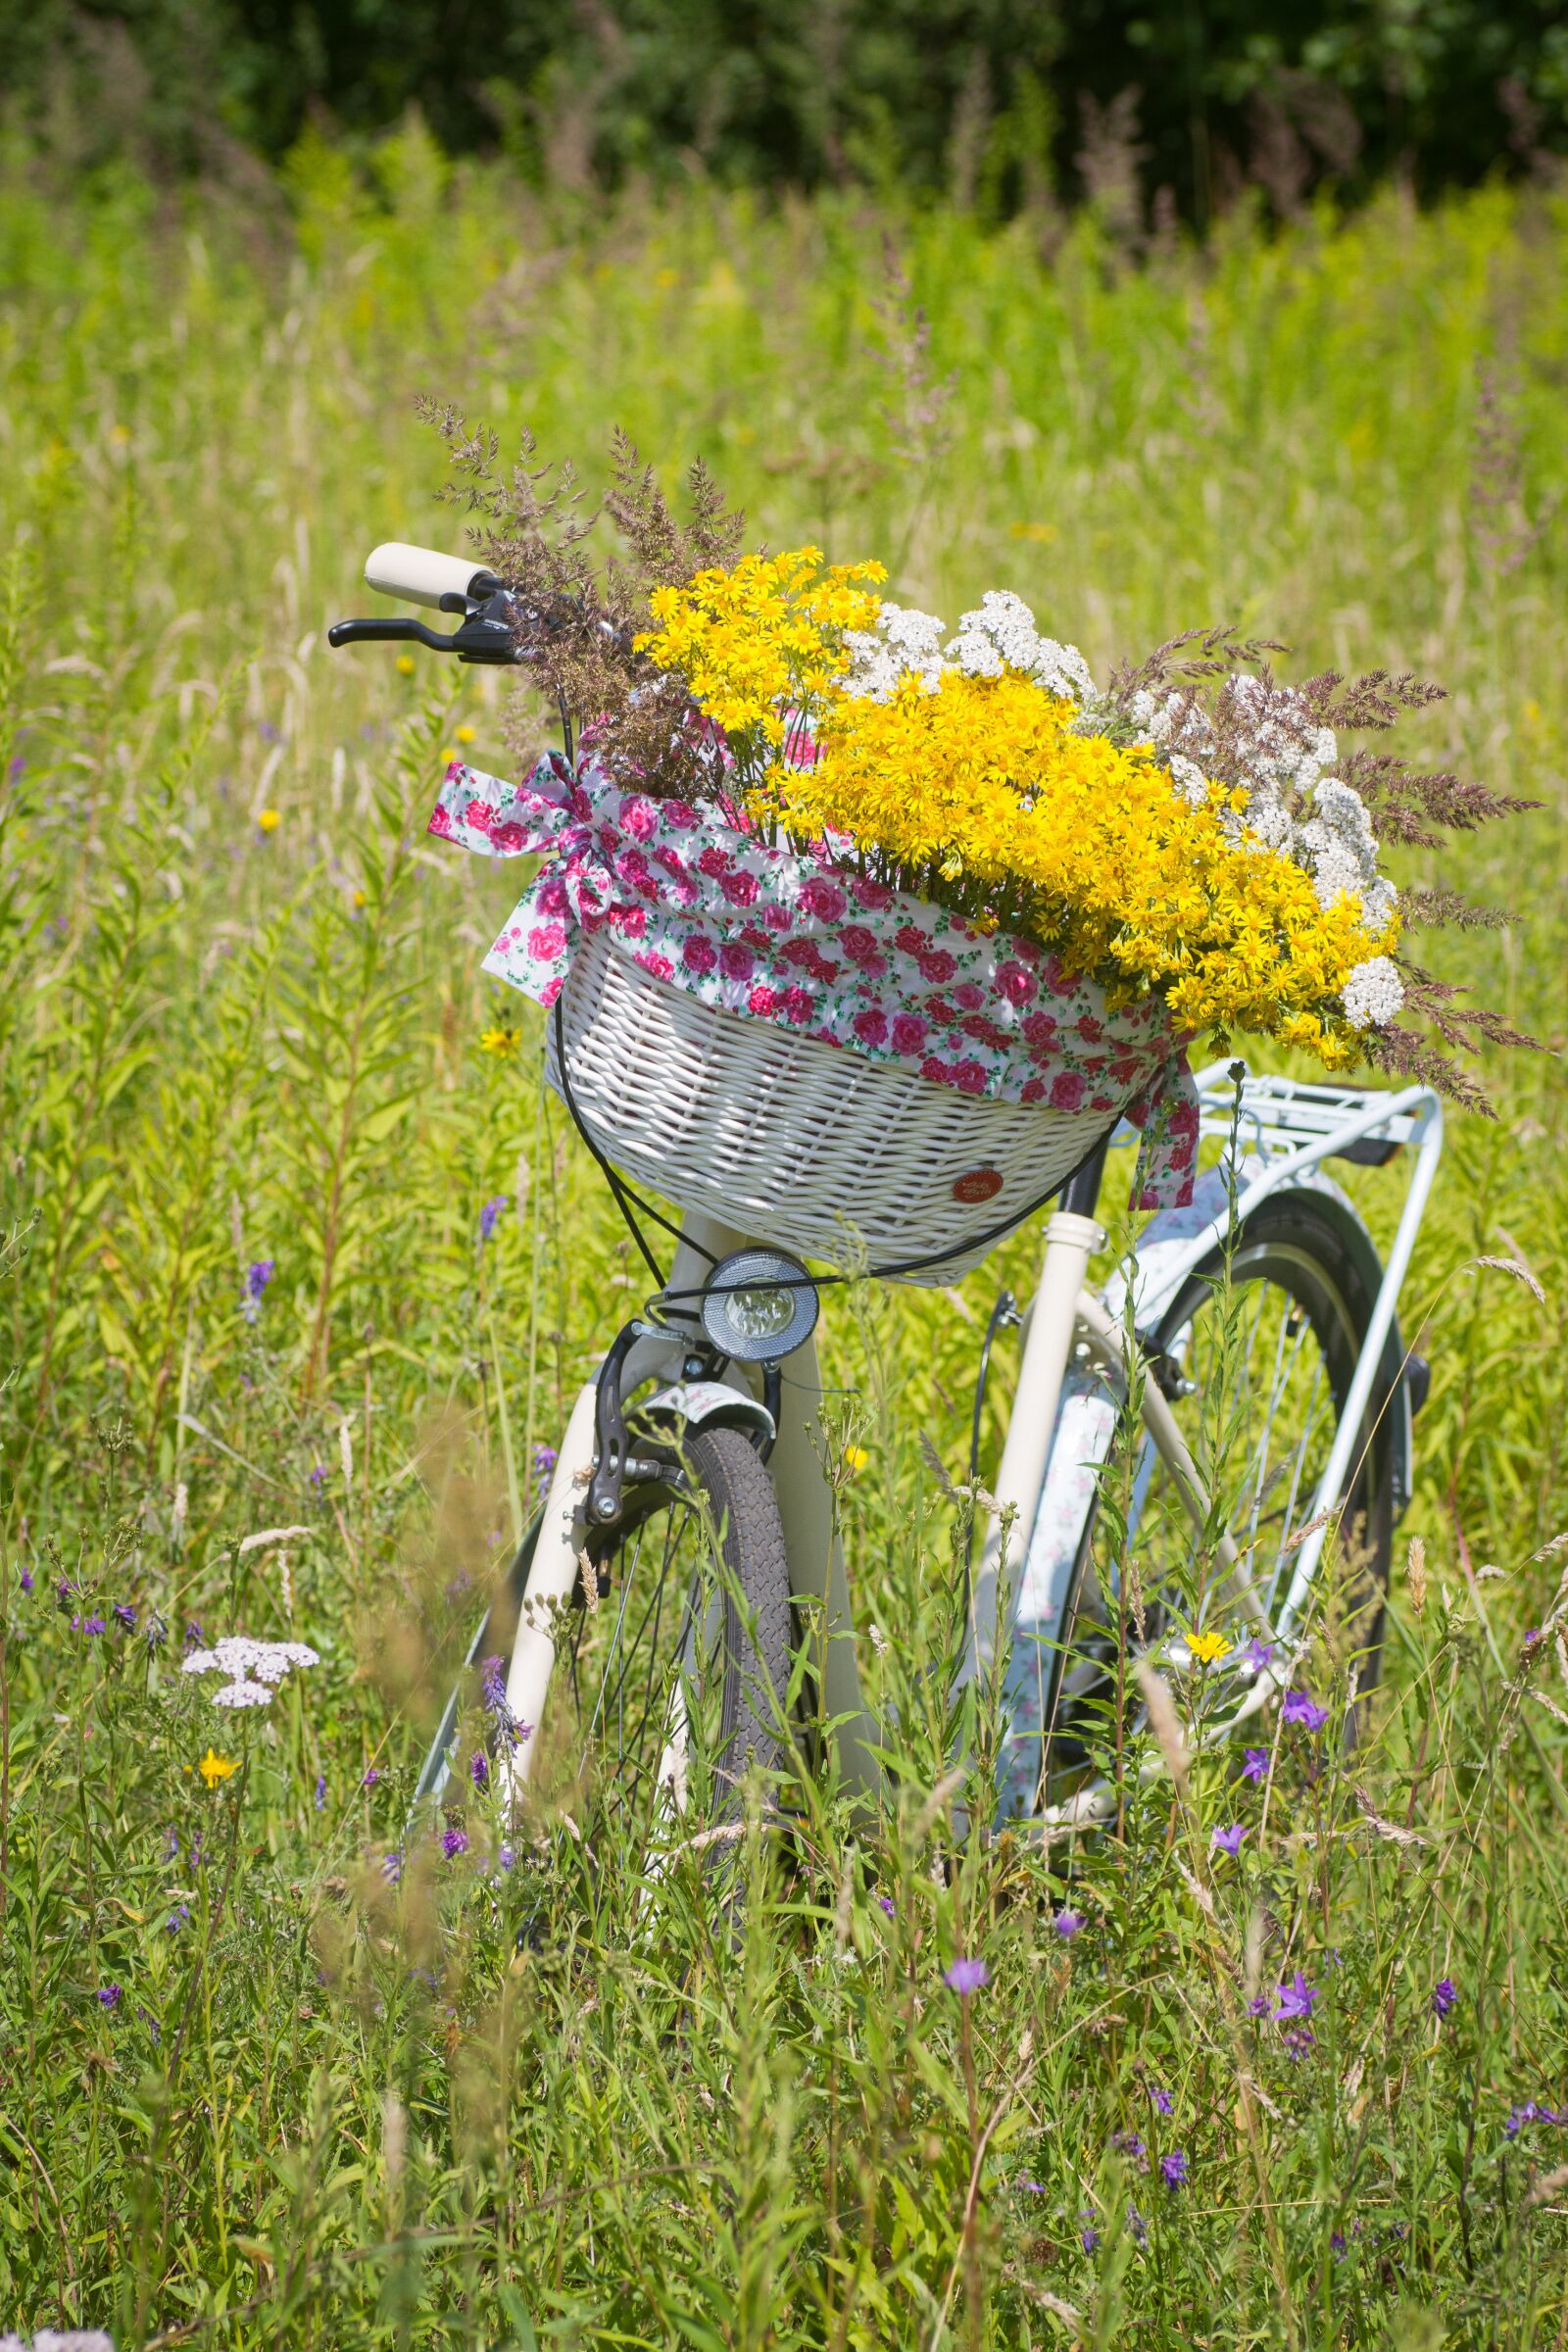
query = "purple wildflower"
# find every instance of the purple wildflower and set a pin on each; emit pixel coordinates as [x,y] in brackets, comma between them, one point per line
[544,1458]
[258,1274]
[1089,2237]
[493,1681]
[1536,1633]
[88,1625]
[480,1768]
[195,1638]
[1033,2188]
[1164,2104]
[318,1474]
[1531,2112]
[154,1633]
[1300,2041]
[886,1901]
[1138,2226]
[125,1615]
[320,1793]
[490,1216]
[27,1581]
[170,1844]
[453,1843]
[178,1918]
[1444,1995]
[151,2023]
[1337,2245]
[370,1776]
[108,1996]
[1128,2144]
[966,1976]
[1174,2167]
[1068,1923]
[1296,1999]
[1301,1709]
[506,1857]
[1258,2006]
[392,1868]
[1257,1656]
[1229,1841]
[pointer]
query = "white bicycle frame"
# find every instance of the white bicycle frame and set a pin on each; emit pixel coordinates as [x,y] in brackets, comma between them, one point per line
[1288,1131]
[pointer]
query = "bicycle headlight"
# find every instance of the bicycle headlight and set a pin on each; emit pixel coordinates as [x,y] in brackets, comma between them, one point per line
[759,1304]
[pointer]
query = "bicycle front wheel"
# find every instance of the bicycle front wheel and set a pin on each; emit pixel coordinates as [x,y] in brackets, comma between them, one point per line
[1257,1352]
[672,1663]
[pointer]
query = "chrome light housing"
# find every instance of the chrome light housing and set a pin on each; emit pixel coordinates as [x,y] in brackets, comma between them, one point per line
[759,1304]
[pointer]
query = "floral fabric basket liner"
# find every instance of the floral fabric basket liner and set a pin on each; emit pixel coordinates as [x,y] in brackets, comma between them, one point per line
[709,906]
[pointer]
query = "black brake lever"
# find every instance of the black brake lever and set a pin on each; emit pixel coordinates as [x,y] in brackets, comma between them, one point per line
[486,634]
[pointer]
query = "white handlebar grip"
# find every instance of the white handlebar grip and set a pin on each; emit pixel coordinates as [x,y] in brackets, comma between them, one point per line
[419,574]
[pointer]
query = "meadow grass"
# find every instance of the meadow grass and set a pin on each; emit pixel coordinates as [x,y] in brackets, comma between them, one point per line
[259,2086]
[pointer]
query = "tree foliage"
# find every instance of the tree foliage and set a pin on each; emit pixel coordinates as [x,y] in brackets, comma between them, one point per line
[1001,104]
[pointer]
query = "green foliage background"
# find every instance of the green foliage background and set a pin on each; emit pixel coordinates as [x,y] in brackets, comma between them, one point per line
[1003,104]
[322,2107]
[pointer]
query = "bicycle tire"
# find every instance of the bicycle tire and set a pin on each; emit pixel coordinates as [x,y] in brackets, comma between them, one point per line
[728,1652]
[1297,1249]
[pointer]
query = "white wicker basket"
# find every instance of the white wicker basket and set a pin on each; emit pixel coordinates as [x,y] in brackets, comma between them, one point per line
[803,1145]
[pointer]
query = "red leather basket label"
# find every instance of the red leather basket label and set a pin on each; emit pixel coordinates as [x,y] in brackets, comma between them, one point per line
[978,1183]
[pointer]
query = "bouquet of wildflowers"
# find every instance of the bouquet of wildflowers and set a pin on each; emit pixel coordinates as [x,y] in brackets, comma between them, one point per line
[1191,831]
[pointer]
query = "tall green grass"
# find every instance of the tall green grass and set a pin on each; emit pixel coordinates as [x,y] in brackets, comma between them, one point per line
[329,2108]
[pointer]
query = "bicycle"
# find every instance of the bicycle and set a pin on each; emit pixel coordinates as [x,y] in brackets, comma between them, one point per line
[688,1512]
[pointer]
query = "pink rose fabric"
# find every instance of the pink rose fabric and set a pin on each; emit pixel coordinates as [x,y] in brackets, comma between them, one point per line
[806,941]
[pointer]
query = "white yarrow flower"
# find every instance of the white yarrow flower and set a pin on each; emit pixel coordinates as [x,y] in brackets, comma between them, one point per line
[254,1668]
[902,641]
[974,653]
[242,1695]
[1373,994]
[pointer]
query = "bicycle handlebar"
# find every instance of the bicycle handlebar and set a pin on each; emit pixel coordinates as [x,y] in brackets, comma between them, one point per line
[487,630]
[422,577]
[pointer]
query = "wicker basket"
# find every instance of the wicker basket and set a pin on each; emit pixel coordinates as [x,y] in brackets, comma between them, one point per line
[800,1144]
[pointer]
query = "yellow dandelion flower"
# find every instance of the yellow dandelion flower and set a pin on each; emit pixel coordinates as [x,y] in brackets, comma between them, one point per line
[500,1041]
[215,1768]
[465,733]
[405,665]
[1207,1648]
[267,821]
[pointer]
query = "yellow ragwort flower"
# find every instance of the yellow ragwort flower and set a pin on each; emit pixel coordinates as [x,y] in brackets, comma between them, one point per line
[267,821]
[465,733]
[405,665]
[500,1041]
[855,1458]
[215,1768]
[761,640]
[984,786]
[983,795]
[1207,1648]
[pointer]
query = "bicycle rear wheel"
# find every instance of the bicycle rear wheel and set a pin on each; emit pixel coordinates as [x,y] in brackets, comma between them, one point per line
[1257,1356]
[672,1663]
